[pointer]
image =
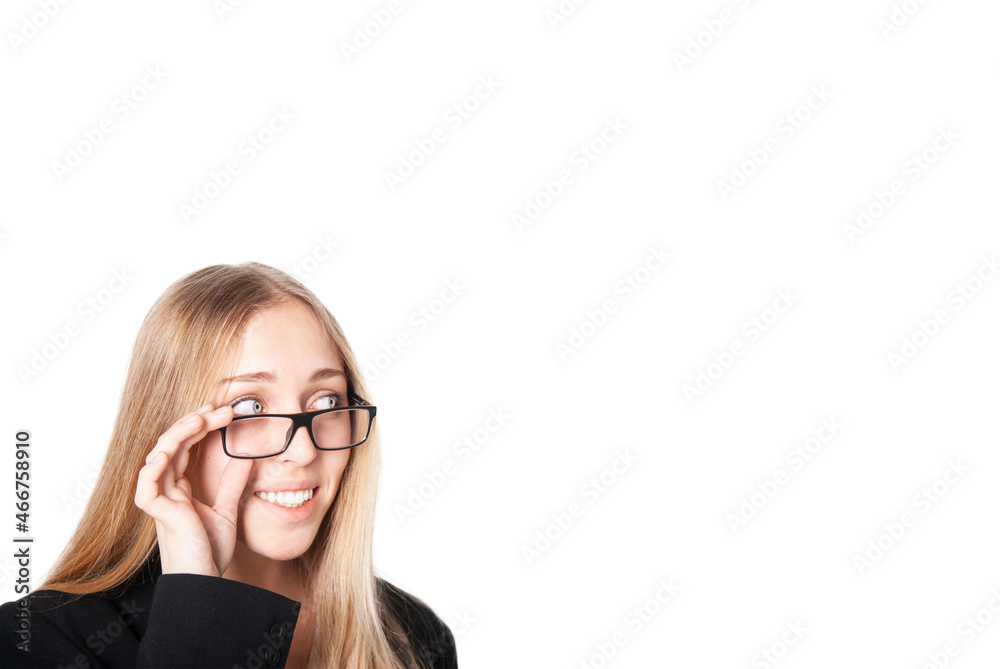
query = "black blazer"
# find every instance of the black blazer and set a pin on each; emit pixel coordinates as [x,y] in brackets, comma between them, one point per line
[182,621]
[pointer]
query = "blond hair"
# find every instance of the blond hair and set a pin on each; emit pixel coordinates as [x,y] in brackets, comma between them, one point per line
[188,341]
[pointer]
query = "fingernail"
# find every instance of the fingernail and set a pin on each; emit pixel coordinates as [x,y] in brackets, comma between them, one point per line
[203,409]
[222,409]
[188,418]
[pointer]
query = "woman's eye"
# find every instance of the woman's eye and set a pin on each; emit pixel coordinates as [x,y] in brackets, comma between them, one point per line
[327,402]
[247,407]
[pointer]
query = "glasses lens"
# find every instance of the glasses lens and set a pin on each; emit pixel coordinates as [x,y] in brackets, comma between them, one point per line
[257,437]
[341,429]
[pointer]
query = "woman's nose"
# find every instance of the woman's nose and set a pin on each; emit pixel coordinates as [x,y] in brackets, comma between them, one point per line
[301,449]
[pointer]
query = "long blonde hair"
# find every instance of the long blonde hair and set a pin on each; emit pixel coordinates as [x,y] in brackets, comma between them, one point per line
[189,339]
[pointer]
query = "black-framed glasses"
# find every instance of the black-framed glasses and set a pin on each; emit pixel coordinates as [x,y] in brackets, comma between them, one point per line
[269,434]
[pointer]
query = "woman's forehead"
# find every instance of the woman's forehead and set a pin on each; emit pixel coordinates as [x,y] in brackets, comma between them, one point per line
[286,343]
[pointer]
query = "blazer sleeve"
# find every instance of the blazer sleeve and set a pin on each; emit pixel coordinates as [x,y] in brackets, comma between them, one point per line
[192,621]
[207,621]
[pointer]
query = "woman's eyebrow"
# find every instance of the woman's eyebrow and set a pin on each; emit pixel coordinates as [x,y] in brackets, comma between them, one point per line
[252,377]
[325,373]
[268,377]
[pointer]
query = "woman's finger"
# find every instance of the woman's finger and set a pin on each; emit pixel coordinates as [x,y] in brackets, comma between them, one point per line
[213,420]
[168,485]
[232,483]
[148,496]
[156,491]
[189,430]
[180,460]
[171,440]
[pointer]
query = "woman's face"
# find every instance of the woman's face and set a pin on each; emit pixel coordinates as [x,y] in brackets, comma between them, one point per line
[286,365]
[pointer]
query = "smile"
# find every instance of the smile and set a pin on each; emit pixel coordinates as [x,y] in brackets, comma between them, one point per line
[287,498]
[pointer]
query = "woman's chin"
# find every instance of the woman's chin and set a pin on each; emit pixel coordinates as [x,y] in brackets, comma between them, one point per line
[277,542]
[286,548]
[283,555]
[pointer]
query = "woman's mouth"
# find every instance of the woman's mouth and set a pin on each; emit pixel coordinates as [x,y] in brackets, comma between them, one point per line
[289,499]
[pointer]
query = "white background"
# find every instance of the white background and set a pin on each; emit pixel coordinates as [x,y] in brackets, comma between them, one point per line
[683,129]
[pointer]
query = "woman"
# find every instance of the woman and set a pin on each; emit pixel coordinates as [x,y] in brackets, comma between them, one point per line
[238,534]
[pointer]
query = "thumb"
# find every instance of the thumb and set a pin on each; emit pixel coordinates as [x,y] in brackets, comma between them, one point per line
[232,483]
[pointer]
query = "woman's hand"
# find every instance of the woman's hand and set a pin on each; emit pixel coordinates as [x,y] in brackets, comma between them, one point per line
[194,538]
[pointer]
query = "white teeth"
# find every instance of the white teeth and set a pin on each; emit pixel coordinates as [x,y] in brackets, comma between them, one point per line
[287,498]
